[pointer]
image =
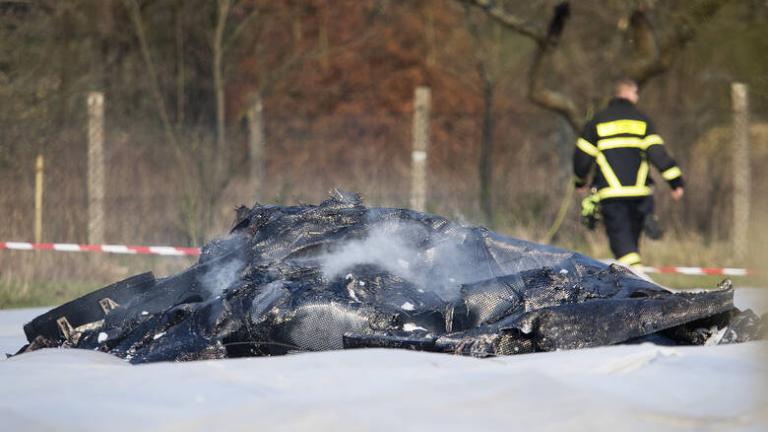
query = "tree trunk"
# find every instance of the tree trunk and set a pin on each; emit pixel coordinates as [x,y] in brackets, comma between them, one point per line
[486,154]
[256,147]
[298,29]
[180,70]
[323,43]
[566,136]
[154,84]
[103,63]
[421,108]
[63,59]
[218,78]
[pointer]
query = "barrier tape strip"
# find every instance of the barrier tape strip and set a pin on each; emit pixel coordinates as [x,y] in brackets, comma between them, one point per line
[726,271]
[118,249]
[193,251]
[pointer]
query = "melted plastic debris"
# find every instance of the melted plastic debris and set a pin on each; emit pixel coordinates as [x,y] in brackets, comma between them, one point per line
[340,275]
[409,327]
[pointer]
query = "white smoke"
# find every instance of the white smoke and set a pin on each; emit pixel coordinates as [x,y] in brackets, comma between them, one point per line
[222,275]
[387,246]
[395,247]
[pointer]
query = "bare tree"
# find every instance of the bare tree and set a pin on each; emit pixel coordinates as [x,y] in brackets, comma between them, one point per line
[205,173]
[652,53]
[493,54]
[138,23]
[484,53]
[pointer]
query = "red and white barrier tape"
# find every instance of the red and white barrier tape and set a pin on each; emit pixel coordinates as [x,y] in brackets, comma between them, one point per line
[726,271]
[192,251]
[119,249]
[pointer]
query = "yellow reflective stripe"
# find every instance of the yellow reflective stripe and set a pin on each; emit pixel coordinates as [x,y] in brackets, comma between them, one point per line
[587,147]
[630,259]
[624,192]
[607,171]
[652,140]
[612,143]
[642,173]
[672,173]
[635,127]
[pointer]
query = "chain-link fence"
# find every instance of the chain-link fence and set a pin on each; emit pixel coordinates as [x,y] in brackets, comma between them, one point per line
[147,201]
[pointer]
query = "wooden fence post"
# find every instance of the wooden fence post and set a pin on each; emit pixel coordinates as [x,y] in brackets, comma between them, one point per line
[741,170]
[95,168]
[39,168]
[421,107]
[256,146]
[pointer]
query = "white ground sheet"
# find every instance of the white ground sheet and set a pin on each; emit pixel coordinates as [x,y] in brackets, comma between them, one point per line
[625,387]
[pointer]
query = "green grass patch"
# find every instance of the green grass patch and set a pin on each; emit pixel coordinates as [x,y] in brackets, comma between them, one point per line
[15,294]
[679,281]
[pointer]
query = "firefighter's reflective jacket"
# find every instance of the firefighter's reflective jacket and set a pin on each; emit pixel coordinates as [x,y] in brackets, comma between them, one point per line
[622,141]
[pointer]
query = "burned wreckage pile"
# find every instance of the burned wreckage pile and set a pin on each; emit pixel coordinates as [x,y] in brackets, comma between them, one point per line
[341,275]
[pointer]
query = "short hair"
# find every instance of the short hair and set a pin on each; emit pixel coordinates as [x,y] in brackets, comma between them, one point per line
[625,82]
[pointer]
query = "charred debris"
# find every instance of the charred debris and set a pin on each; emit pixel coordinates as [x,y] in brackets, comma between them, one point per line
[340,275]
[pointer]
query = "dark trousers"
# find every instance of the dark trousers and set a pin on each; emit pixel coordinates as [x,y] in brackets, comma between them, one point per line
[623,219]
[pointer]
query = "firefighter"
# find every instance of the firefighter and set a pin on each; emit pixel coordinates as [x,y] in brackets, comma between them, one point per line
[621,141]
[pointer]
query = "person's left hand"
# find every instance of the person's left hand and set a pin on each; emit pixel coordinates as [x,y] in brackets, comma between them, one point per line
[677,193]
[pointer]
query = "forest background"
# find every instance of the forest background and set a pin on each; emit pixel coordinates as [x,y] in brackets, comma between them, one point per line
[511,83]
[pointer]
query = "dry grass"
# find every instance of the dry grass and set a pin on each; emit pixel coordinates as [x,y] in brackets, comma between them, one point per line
[148,202]
[46,278]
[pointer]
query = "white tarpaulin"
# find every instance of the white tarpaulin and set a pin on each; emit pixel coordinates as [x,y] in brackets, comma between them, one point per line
[625,387]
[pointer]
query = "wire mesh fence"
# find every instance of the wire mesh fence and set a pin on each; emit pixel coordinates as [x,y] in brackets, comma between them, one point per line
[147,201]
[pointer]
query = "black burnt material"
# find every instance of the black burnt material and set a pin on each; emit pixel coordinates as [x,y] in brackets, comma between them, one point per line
[340,275]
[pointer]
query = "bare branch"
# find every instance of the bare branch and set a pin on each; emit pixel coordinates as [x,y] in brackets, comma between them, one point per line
[314,54]
[180,70]
[474,31]
[538,92]
[549,99]
[646,50]
[546,43]
[515,23]
[138,23]
[651,58]
[242,26]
